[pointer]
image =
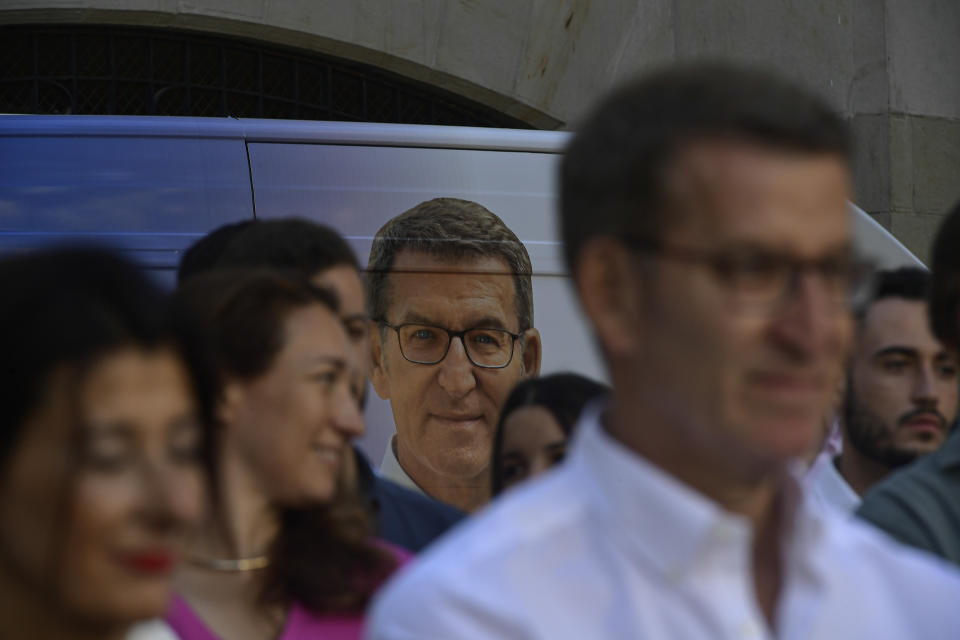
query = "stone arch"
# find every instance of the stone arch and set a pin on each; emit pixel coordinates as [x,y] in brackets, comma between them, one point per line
[222,21]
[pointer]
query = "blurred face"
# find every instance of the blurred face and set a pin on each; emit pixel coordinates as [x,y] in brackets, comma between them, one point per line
[345,281]
[749,384]
[290,425]
[902,397]
[533,441]
[97,523]
[445,413]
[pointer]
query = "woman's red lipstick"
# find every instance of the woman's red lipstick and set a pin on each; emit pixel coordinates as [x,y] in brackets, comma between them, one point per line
[152,562]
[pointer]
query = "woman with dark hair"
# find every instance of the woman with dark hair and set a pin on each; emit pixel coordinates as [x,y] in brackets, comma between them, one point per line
[399,515]
[285,552]
[535,424]
[101,465]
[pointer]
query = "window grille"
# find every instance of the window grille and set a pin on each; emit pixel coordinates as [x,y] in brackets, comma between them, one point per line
[140,71]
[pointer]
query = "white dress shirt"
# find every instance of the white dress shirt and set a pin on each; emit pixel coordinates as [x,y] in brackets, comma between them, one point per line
[828,488]
[152,630]
[391,470]
[608,546]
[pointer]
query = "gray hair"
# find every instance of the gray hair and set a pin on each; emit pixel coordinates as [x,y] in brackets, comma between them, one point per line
[449,229]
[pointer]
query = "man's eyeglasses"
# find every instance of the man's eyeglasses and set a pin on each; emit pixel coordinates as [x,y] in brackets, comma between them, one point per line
[760,281]
[429,344]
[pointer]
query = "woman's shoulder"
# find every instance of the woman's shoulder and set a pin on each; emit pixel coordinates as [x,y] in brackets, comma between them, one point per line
[303,623]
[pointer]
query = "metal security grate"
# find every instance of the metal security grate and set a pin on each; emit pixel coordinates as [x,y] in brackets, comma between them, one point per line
[137,71]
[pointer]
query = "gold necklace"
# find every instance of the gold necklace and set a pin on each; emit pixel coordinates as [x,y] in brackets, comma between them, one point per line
[231,564]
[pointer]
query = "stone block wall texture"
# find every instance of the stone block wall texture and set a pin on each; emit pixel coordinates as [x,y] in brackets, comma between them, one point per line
[890,66]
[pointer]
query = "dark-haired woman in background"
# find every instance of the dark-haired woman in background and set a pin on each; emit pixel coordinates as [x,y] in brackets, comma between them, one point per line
[399,515]
[286,553]
[101,472]
[535,423]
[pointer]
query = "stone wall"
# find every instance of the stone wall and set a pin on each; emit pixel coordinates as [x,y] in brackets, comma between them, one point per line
[889,65]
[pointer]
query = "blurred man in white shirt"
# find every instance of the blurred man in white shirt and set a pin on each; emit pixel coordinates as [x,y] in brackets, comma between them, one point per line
[704,217]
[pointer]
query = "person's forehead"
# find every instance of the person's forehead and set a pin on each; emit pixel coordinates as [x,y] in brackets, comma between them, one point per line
[345,281]
[141,386]
[736,191]
[425,284]
[418,262]
[311,329]
[898,321]
[133,365]
[531,424]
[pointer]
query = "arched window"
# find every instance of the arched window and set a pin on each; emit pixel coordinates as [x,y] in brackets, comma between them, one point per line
[140,71]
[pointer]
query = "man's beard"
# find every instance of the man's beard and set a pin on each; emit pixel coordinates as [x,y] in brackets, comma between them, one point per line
[872,438]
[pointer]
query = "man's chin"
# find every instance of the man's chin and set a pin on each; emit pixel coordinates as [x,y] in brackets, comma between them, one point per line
[896,457]
[457,439]
[451,467]
[781,440]
[460,463]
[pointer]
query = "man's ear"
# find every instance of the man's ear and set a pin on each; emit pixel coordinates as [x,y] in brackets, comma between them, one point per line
[378,372]
[608,284]
[532,353]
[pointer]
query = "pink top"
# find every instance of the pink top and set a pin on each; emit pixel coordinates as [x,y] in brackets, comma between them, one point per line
[301,624]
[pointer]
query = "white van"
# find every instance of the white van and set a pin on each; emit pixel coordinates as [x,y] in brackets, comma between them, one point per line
[151,186]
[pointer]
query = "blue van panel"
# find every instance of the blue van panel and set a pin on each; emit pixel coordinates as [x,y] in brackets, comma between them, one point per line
[146,194]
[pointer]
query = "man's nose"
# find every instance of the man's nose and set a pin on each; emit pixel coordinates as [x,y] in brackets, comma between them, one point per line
[457,376]
[924,391]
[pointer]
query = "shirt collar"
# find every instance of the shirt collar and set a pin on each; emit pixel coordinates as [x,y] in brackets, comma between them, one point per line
[833,489]
[670,525]
[391,470]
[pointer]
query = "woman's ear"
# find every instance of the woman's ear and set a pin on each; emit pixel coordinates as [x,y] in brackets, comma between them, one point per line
[609,285]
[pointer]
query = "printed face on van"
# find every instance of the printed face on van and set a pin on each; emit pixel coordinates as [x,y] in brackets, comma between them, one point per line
[100,524]
[446,413]
[748,384]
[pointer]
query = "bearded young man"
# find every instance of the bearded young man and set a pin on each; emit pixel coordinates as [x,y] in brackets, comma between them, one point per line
[901,392]
[920,505]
